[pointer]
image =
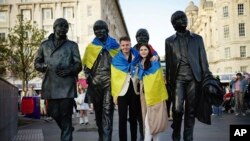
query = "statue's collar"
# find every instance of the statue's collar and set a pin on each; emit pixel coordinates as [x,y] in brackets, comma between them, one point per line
[188,33]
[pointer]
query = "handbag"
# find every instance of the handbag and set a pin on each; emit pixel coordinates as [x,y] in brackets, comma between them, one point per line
[157,117]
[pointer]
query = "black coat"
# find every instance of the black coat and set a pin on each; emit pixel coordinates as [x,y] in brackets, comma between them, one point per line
[196,56]
[205,99]
[66,55]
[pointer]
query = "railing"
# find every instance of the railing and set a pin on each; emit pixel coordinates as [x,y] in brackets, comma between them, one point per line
[8,110]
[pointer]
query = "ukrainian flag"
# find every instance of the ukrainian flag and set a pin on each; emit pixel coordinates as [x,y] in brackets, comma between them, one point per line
[93,50]
[120,67]
[154,85]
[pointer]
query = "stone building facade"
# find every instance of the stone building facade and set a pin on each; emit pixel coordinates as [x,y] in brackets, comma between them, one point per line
[224,26]
[81,14]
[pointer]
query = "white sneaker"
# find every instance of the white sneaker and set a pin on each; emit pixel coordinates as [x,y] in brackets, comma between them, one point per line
[237,114]
[81,120]
[243,114]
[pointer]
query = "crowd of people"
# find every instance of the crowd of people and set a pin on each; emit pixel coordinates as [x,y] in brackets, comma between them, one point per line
[236,98]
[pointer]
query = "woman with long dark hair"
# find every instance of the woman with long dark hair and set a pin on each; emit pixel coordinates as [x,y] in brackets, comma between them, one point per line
[153,95]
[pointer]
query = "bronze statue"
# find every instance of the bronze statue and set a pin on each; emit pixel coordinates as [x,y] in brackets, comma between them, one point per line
[142,38]
[186,67]
[59,59]
[97,62]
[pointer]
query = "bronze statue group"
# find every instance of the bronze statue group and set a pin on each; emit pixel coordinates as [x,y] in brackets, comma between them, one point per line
[132,78]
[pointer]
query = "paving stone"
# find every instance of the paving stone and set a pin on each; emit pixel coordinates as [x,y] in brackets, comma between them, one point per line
[29,135]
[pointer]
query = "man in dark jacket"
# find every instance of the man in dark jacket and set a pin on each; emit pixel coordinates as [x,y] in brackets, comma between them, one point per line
[97,66]
[186,66]
[60,60]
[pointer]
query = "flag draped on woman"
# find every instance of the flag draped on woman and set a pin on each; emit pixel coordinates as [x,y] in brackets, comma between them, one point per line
[153,82]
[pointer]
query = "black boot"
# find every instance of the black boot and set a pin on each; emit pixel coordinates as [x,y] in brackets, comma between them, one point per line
[188,134]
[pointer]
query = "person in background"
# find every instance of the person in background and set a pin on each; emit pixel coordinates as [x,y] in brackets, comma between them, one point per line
[247,95]
[81,105]
[217,110]
[42,105]
[31,91]
[239,86]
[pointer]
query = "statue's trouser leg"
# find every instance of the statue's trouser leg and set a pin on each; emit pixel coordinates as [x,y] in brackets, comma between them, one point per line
[184,91]
[104,110]
[61,111]
[107,114]
[189,120]
[140,121]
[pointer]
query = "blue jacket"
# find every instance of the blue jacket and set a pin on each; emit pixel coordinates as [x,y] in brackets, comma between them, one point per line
[243,85]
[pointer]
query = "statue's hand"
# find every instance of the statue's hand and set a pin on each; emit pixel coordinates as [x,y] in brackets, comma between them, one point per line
[44,67]
[211,89]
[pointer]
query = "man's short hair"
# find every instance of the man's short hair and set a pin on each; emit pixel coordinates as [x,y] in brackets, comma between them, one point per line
[124,38]
[238,74]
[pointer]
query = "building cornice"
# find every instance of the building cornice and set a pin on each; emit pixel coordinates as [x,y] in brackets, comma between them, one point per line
[229,59]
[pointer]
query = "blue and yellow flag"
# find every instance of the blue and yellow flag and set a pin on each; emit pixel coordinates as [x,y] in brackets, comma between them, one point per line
[93,50]
[154,85]
[120,67]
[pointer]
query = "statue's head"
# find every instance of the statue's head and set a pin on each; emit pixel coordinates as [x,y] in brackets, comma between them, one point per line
[179,21]
[61,28]
[101,30]
[142,36]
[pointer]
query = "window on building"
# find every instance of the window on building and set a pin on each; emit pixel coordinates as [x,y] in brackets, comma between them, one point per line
[47,14]
[226,31]
[218,70]
[225,11]
[71,33]
[90,30]
[3,16]
[26,14]
[243,68]
[2,1]
[48,28]
[89,10]
[2,36]
[227,53]
[68,12]
[228,69]
[241,29]
[240,9]
[242,51]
